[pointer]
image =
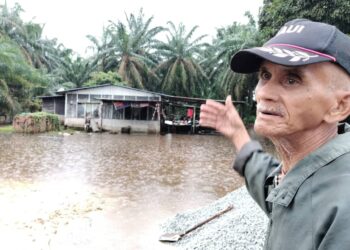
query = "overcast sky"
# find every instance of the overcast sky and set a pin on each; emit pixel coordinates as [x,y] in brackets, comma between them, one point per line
[71,20]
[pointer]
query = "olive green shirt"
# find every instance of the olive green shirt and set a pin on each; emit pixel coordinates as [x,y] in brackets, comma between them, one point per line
[310,208]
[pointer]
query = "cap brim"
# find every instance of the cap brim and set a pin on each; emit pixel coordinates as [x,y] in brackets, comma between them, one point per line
[249,60]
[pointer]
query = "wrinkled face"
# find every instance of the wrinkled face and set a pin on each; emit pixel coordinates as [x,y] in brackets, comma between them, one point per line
[293,99]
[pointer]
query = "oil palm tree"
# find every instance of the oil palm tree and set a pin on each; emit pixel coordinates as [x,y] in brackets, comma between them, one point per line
[228,41]
[75,71]
[40,53]
[12,26]
[180,71]
[44,53]
[18,80]
[127,49]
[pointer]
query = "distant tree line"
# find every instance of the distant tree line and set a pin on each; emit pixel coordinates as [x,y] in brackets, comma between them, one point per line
[131,52]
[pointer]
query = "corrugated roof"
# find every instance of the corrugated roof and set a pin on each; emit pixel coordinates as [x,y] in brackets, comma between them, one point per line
[193,99]
[106,85]
[49,96]
[165,97]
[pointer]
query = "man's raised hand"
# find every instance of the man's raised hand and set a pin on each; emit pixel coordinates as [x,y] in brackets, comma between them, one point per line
[226,120]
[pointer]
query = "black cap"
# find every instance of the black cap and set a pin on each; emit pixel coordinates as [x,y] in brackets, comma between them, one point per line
[298,42]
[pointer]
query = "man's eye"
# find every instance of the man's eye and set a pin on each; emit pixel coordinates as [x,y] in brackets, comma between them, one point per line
[265,75]
[291,81]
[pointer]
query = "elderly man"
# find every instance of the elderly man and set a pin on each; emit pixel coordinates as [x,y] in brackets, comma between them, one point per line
[302,94]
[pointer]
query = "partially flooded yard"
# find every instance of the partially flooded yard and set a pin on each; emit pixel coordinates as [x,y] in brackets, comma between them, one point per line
[102,191]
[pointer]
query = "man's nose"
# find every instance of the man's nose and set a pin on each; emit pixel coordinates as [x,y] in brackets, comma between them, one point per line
[266,91]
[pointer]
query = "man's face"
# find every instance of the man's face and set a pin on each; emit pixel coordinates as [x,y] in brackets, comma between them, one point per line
[293,100]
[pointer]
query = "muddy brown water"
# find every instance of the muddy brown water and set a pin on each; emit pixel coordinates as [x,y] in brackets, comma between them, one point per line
[103,191]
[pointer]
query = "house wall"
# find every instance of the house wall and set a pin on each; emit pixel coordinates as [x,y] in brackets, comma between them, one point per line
[136,126]
[75,100]
[54,105]
[49,105]
[59,106]
[77,103]
[74,122]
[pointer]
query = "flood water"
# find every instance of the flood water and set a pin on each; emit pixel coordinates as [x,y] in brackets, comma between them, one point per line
[103,191]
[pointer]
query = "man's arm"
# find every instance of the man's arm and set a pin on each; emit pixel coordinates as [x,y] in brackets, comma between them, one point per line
[256,165]
[251,162]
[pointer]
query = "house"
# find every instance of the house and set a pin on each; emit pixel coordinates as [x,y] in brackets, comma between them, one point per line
[124,109]
[106,107]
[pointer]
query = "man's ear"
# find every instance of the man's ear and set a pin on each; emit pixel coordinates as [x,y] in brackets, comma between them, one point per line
[341,109]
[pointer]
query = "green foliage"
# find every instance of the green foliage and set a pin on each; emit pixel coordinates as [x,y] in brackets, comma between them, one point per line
[127,49]
[34,105]
[39,53]
[39,117]
[180,70]
[76,71]
[277,12]
[129,53]
[19,82]
[99,78]
[249,120]
[6,129]
[228,41]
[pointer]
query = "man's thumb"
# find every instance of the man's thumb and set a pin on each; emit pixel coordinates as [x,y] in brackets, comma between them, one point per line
[228,101]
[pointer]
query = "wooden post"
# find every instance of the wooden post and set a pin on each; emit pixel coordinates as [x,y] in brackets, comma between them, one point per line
[194,120]
[100,111]
[54,105]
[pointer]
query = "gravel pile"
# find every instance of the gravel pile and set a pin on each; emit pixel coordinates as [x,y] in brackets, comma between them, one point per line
[242,228]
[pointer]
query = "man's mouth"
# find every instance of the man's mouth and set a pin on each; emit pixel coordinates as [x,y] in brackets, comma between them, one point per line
[273,111]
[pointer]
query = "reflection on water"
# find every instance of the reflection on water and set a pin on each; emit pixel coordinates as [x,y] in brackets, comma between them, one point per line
[103,191]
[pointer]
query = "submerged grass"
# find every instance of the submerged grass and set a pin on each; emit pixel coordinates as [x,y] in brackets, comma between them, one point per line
[62,129]
[10,129]
[6,129]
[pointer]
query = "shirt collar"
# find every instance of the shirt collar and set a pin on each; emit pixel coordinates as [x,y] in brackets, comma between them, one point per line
[284,193]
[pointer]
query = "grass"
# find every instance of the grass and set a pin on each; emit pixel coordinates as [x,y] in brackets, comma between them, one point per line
[64,130]
[10,129]
[6,129]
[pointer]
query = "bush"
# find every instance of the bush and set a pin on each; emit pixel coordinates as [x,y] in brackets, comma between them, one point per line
[249,120]
[36,122]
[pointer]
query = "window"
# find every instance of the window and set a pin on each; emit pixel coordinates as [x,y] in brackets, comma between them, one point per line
[107,111]
[95,111]
[72,105]
[107,96]
[135,113]
[81,110]
[93,97]
[83,98]
[142,98]
[130,98]
[118,97]
[119,108]
[123,110]
[49,105]
[139,111]
[118,114]
[152,112]
[154,98]
[92,110]
[127,113]
[59,106]
[143,113]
